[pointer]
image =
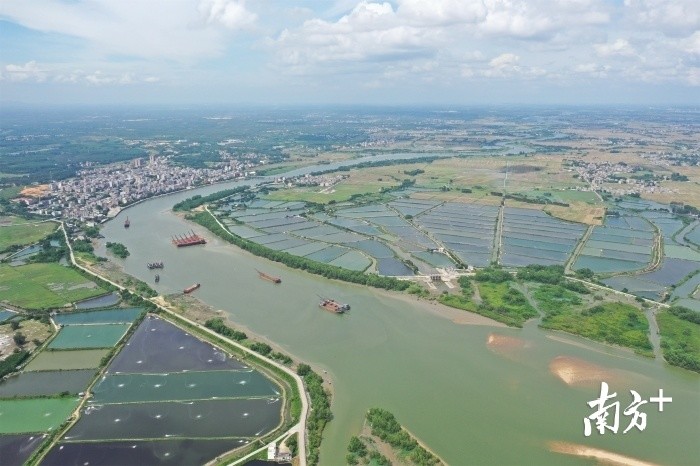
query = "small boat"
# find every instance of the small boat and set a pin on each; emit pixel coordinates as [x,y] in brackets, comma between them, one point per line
[127,223]
[334,306]
[190,289]
[157,278]
[155,265]
[265,276]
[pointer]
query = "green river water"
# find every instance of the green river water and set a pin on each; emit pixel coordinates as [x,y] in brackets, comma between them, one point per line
[471,403]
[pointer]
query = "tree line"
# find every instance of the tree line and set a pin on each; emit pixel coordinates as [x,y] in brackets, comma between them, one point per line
[297,262]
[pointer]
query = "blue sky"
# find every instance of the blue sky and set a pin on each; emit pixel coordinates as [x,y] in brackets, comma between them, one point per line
[349,51]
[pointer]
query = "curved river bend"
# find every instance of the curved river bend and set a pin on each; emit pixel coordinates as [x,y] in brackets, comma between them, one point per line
[471,402]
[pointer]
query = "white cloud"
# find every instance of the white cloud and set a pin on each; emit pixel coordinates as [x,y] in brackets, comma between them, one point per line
[153,29]
[621,47]
[33,72]
[30,71]
[691,45]
[592,69]
[672,17]
[231,13]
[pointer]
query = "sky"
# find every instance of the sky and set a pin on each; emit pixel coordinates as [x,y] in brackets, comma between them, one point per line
[401,52]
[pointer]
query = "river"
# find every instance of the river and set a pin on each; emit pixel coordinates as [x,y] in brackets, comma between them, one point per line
[471,402]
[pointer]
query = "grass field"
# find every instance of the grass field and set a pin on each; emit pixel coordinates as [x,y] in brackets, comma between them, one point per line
[501,302]
[44,285]
[17,231]
[66,360]
[615,323]
[35,415]
[362,181]
[11,192]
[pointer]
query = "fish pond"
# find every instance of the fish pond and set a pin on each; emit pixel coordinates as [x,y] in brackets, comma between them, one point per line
[34,415]
[46,383]
[183,452]
[16,449]
[108,300]
[89,336]
[66,360]
[166,391]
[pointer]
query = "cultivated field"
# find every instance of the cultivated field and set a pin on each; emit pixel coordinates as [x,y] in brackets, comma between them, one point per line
[44,285]
[17,231]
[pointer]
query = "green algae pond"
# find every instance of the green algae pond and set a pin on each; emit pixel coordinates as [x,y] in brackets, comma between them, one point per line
[89,336]
[34,415]
[66,360]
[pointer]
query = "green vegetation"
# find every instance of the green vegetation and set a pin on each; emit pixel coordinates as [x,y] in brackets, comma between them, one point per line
[329,271]
[140,288]
[357,451]
[92,232]
[198,200]
[680,337]
[552,299]
[118,249]
[493,275]
[385,426]
[500,301]
[45,285]
[83,245]
[219,327]
[615,323]
[320,412]
[11,362]
[506,304]
[16,232]
[553,275]
[262,348]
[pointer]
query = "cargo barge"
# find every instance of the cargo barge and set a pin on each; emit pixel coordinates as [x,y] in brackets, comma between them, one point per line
[189,239]
[333,306]
[265,276]
[190,289]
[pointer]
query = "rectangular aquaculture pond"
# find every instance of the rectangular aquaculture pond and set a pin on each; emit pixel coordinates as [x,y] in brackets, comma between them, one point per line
[34,415]
[89,336]
[106,316]
[46,383]
[66,360]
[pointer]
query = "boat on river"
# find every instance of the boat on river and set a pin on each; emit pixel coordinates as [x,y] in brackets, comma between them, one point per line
[155,265]
[333,306]
[265,276]
[157,278]
[190,289]
[127,223]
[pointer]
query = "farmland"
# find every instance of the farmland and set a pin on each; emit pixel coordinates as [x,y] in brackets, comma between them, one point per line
[44,285]
[15,231]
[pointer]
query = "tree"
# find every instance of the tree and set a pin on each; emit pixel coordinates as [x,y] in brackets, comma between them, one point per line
[19,338]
